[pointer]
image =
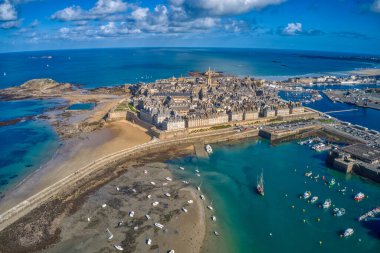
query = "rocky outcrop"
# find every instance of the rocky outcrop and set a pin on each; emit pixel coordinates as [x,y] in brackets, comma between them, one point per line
[36,88]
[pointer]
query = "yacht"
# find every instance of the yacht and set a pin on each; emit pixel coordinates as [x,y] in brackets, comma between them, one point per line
[307,194]
[208,149]
[327,203]
[314,199]
[359,196]
[308,174]
[348,232]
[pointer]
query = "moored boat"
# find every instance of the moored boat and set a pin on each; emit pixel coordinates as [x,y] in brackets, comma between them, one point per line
[348,232]
[307,194]
[359,196]
[327,203]
[308,174]
[260,185]
[332,182]
[314,199]
[208,149]
[339,211]
[118,247]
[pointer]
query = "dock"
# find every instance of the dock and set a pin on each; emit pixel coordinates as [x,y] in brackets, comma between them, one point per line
[200,150]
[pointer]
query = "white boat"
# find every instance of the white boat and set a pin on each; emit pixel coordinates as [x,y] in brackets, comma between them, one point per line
[213,218]
[198,188]
[145,172]
[155,203]
[118,247]
[339,211]
[88,219]
[171,251]
[104,205]
[308,174]
[348,232]
[167,194]
[210,207]
[131,214]
[184,209]
[307,195]
[168,178]
[117,188]
[327,203]
[181,168]
[216,233]
[152,183]
[149,196]
[202,197]
[197,171]
[190,201]
[314,199]
[149,241]
[198,175]
[208,149]
[147,216]
[160,226]
[185,182]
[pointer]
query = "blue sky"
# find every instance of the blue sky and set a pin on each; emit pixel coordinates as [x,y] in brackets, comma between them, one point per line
[323,25]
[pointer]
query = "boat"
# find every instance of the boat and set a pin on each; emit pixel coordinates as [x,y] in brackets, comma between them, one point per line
[160,226]
[213,218]
[260,185]
[171,251]
[316,177]
[314,199]
[168,178]
[197,171]
[167,194]
[181,168]
[131,214]
[307,194]
[202,197]
[348,232]
[327,203]
[155,203]
[190,201]
[359,196]
[332,182]
[339,211]
[210,207]
[208,149]
[147,216]
[149,241]
[308,174]
[216,233]
[118,247]
[184,209]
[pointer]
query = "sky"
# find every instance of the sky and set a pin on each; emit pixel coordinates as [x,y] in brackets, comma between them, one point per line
[318,25]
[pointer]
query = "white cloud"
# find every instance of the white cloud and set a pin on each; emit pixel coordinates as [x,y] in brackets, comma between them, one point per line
[71,13]
[7,11]
[102,9]
[376,6]
[224,7]
[10,24]
[34,23]
[292,29]
[109,7]
[140,13]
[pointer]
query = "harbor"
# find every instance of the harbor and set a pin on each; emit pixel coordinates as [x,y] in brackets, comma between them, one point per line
[229,183]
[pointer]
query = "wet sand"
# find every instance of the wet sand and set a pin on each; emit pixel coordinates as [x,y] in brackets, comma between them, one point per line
[366,72]
[74,154]
[183,231]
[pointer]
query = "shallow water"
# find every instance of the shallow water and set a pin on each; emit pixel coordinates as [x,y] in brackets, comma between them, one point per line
[246,220]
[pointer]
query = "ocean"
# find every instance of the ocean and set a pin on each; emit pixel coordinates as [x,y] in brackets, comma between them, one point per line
[244,220]
[280,221]
[108,67]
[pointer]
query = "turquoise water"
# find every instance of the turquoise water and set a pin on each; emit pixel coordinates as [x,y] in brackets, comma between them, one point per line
[107,67]
[246,220]
[26,145]
[81,106]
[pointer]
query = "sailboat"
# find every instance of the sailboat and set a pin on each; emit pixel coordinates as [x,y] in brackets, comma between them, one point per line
[260,185]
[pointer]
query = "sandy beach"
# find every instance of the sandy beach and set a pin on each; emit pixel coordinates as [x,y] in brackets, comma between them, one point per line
[183,231]
[74,154]
[366,72]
